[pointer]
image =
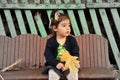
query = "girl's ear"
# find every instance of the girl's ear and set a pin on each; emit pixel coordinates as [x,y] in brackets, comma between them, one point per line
[55,28]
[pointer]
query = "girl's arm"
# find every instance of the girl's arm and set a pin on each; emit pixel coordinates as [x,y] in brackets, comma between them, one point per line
[75,47]
[50,59]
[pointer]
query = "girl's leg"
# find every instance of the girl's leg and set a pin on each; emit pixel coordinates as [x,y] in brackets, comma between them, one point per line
[53,75]
[71,76]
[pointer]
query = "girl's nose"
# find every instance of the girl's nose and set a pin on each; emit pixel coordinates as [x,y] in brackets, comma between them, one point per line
[68,28]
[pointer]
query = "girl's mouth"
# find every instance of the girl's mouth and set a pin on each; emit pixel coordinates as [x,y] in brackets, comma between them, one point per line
[68,32]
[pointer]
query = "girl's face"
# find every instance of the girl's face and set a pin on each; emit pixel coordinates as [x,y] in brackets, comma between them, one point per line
[63,29]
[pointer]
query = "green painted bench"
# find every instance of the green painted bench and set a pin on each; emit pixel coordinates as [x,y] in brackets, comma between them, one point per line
[94,58]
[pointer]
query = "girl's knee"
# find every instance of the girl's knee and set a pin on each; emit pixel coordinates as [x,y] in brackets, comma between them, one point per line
[53,75]
[71,76]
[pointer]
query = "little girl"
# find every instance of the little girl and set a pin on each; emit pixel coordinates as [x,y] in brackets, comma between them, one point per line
[60,28]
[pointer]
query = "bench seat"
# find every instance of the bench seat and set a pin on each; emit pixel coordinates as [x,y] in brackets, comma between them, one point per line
[96,73]
[31,74]
[25,74]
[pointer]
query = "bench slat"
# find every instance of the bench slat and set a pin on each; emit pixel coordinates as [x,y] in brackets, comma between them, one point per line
[96,50]
[17,44]
[84,52]
[35,51]
[91,51]
[5,50]
[38,60]
[27,51]
[21,47]
[10,54]
[31,51]
[1,51]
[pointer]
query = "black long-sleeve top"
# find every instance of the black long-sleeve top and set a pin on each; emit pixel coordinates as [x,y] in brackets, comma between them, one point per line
[51,49]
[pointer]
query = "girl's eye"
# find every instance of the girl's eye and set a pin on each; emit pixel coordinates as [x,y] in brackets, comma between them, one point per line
[69,25]
[64,25]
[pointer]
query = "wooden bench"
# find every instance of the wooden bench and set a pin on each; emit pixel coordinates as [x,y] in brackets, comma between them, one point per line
[30,47]
[87,16]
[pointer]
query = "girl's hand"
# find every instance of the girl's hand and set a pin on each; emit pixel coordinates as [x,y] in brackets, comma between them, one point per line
[64,68]
[59,66]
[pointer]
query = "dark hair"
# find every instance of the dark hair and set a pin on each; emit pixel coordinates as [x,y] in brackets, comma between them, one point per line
[55,22]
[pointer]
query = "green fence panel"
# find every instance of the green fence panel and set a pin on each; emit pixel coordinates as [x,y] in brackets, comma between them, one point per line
[73,20]
[74,23]
[95,21]
[30,20]
[40,25]
[116,19]
[82,19]
[20,19]
[9,20]
[20,22]
[2,30]
[110,36]
[10,23]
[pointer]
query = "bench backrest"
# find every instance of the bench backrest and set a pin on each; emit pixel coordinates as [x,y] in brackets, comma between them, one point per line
[93,51]
[30,47]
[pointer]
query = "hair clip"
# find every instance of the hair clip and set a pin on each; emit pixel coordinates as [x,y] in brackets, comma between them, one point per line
[57,15]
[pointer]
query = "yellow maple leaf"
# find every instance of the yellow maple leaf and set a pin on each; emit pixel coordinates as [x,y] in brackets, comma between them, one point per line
[71,62]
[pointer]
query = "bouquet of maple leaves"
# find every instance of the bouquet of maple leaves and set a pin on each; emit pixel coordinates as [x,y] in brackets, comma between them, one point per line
[71,62]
